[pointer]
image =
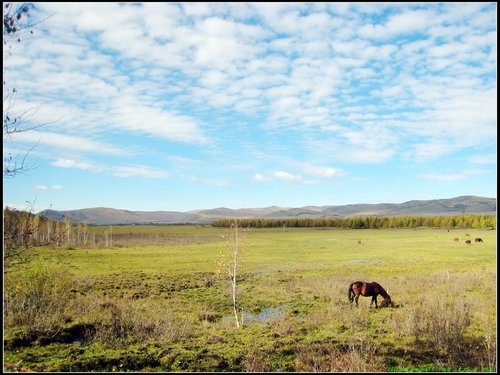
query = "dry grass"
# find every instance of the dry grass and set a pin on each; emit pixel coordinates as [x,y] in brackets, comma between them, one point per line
[359,355]
[37,297]
[125,321]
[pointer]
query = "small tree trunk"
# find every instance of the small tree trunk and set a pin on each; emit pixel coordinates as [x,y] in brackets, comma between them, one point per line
[236,246]
[234,304]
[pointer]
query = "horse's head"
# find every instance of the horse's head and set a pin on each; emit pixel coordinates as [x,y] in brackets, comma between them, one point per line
[387,302]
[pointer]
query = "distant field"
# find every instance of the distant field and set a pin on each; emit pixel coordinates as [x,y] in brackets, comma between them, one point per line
[160,286]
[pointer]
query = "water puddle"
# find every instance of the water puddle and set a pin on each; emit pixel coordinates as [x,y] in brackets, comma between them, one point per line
[320,239]
[355,261]
[369,260]
[262,316]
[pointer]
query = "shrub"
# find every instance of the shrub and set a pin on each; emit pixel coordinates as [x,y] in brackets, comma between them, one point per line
[441,326]
[36,296]
[256,360]
[122,321]
[359,355]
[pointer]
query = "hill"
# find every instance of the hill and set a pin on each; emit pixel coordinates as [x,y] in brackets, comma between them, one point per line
[111,216]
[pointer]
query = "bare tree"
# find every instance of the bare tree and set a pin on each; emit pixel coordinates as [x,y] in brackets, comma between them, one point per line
[20,228]
[15,19]
[16,23]
[230,261]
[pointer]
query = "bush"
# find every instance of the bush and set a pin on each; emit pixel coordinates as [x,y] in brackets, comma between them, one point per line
[359,355]
[124,321]
[36,297]
[442,327]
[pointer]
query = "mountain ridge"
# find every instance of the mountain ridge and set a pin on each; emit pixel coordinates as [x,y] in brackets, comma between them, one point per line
[467,204]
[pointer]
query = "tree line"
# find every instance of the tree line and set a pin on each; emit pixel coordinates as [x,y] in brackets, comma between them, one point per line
[369,222]
[23,230]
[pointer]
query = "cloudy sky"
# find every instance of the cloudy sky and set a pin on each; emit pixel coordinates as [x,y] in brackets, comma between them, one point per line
[183,106]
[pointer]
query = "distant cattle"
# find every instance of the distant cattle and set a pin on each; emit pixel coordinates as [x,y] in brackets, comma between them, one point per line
[478,240]
[467,235]
[456,239]
[468,242]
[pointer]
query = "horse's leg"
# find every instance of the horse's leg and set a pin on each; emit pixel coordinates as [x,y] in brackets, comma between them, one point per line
[356,299]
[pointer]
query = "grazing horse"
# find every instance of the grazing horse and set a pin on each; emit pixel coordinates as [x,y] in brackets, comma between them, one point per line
[468,242]
[478,240]
[368,290]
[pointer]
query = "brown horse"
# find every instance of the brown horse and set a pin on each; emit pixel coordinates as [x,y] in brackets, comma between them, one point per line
[368,290]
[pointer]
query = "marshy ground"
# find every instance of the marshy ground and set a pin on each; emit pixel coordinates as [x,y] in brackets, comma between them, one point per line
[157,301]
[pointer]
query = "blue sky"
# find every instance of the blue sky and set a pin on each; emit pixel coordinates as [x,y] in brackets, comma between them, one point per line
[184,106]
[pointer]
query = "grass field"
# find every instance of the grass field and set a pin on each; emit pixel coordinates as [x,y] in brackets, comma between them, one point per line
[156,302]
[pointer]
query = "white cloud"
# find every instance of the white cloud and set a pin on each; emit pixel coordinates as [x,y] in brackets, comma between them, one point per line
[62,141]
[136,171]
[412,21]
[399,24]
[326,172]
[450,177]
[259,178]
[207,181]
[178,160]
[118,171]
[354,149]
[52,187]
[128,113]
[334,76]
[277,175]
[483,159]
[68,163]
[285,176]
[214,78]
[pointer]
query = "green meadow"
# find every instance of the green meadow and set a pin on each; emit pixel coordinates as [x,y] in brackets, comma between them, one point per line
[159,299]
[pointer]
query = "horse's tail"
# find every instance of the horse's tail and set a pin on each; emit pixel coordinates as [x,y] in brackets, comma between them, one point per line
[350,293]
